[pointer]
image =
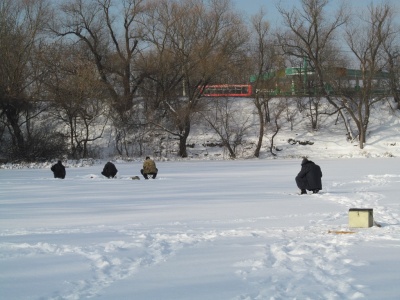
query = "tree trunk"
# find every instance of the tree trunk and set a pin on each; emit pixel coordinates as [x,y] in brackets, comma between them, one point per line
[183,138]
[261,128]
[362,138]
[16,132]
[182,147]
[232,153]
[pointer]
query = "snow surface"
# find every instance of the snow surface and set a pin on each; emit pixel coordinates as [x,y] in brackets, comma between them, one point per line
[201,230]
[210,229]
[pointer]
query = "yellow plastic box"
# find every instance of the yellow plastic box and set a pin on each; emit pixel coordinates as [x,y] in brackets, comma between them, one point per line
[361,217]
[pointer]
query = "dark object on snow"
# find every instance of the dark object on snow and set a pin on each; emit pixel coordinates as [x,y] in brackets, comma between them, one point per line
[149,168]
[309,177]
[294,142]
[58,170]
[109,170]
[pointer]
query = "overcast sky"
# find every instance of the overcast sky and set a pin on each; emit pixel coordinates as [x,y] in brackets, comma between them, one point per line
[251,7]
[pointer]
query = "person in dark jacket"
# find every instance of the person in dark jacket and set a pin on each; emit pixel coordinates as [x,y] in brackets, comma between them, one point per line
[149,168]
[58,170]
[109,170]
[309,177]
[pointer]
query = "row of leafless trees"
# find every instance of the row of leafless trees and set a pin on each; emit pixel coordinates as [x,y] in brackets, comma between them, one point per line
[71,70]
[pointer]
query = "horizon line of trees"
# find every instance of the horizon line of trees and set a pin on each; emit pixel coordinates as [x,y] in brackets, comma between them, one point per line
[70,70]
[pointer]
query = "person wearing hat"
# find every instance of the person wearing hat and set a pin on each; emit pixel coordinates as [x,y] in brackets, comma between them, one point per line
[309,177]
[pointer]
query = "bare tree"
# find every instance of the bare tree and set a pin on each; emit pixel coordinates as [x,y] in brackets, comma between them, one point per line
[77,96]
[194,42]
[21,28]
[310,35]
[276,123]
[229,122]
[366,40]
[391,48]
[264,63]
[111,31]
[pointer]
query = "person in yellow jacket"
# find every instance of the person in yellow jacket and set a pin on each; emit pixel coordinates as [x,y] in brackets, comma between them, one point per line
[149,168]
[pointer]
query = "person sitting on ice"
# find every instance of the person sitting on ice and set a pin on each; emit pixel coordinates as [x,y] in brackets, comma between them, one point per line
[58,170]
[109,170]
[149,168]
[309,177]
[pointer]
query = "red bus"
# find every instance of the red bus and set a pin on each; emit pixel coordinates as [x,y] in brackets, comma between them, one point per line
[228,90]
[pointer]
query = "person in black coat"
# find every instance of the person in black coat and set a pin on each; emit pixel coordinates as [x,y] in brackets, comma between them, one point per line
[58,170]
[109,170]
[309,177]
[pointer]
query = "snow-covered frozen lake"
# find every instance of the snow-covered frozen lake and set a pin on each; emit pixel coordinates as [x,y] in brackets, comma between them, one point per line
[201,230]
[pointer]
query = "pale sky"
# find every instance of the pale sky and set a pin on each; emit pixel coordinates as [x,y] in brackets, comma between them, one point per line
[251,7]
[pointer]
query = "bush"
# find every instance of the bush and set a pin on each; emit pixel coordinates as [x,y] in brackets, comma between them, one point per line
[41,146]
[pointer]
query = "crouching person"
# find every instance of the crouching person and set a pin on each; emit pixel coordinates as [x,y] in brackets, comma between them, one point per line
[58,170]
[149,168]
[109,170]
[309,177]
